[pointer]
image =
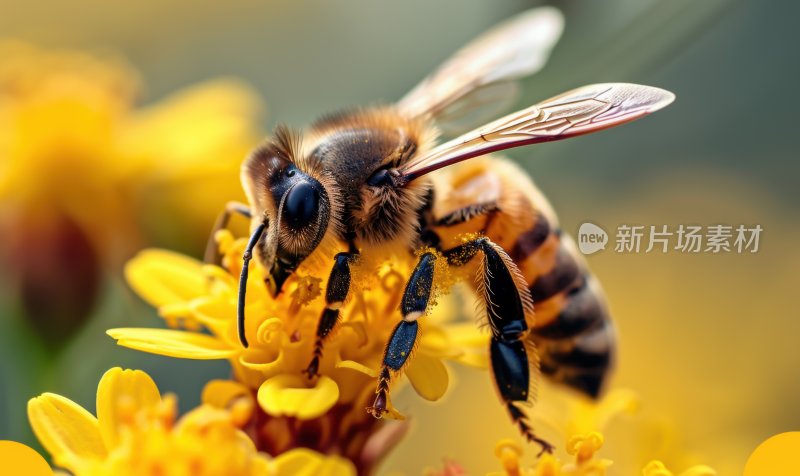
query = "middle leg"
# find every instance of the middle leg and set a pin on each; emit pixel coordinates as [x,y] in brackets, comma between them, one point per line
[413,306]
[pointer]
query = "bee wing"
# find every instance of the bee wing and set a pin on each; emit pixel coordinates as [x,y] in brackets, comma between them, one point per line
[580,111]
[478,106]
[515,48]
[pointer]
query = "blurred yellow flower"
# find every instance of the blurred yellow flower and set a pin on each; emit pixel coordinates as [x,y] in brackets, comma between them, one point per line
[327,414]
[584,448]
[657,468]
[86,178]
[584,425]
[136,433]
[572,414]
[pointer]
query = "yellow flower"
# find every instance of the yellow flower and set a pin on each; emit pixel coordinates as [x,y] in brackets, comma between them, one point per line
[327,414]
[572,414]
[657,468]
[584,448]
[86,177]
[613,424]
[136,433]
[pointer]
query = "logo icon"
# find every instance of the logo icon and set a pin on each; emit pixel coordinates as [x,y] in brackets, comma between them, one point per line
[591,238]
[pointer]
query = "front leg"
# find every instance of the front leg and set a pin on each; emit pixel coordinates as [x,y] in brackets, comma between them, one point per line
[246,257]
[335,294]
[211,255]
[413,305]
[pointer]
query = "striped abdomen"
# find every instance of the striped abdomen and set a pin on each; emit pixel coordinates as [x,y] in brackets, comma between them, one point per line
[572,328]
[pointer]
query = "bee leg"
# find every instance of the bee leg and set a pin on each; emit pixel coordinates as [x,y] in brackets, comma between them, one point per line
[413,305]
[335,294]
[212,255]
[511,371]
[246,257]
[508,300]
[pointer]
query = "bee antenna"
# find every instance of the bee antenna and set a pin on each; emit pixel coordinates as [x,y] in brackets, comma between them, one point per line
[246,257]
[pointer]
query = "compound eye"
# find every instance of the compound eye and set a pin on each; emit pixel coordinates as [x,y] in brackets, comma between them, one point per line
[301,206]
[380,178]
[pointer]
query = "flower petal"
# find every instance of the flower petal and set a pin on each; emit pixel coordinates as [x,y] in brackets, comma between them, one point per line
[657,468]
[468,335]
[120,394]
[428,376]
[305,462]
[288,395]
[209,310]
[172,343]
[478,360]
[232,397]
[269,362]
[162,277]
[353,365]
[596,415]
[700,470]
[359,331]
[436,343]
[220,393]
[463,343]
[217,315]
[66,430]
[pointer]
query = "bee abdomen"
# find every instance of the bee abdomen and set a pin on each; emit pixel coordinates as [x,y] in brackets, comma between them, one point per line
[582,362]
[565,272]
[528,242]
[583,308]
[577,346]
[572,330]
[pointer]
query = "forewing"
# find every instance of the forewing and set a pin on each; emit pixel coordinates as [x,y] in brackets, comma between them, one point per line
[513,49]
[580,111]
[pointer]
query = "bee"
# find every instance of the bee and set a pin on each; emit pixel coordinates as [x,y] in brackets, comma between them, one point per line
[369,180]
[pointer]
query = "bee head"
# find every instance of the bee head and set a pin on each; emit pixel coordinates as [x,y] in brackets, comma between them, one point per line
[293,198]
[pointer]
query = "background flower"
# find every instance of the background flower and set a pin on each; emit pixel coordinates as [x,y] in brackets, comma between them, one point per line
[585,460]
[87,178]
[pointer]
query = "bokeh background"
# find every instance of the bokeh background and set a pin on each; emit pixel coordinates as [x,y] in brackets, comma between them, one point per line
[709,342]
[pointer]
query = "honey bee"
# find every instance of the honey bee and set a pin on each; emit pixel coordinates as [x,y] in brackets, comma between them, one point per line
[368,180]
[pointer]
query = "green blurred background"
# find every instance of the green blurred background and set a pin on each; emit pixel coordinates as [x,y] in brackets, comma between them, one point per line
[708,341]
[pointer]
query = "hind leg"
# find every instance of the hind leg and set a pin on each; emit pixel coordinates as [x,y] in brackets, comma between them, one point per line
[507,299]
